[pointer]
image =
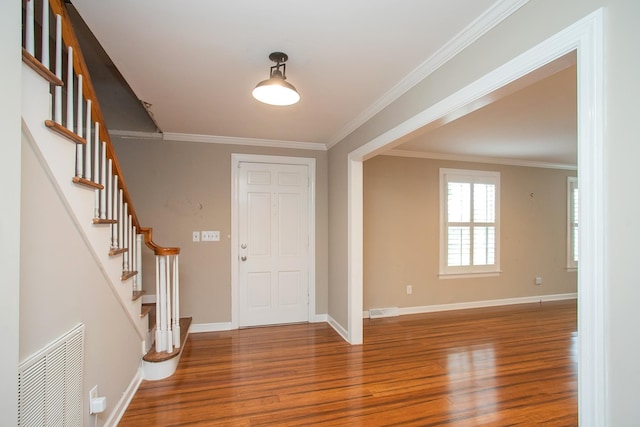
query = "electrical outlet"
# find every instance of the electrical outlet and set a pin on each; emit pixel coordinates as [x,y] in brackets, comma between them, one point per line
[538,280]
[409,289]
[210,236]
[196,236]
[93,394]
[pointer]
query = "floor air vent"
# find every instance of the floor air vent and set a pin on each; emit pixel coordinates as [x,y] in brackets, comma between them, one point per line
[375,313]
[50,383]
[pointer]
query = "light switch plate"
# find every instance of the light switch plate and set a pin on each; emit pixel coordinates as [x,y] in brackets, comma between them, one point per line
[210,236]
[196,236]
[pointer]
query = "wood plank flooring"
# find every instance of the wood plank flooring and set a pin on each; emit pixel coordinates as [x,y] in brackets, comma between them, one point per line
[501,366]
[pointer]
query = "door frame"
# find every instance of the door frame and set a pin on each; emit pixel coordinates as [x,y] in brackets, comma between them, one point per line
[586,37]
[236,159]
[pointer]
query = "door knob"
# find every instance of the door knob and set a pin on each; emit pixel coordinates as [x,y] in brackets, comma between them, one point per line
[243,258]
[243,246]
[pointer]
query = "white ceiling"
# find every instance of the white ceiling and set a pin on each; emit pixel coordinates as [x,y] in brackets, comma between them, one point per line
[197,61]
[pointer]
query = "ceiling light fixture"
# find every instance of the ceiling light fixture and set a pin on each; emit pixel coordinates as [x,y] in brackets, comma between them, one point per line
[275,90]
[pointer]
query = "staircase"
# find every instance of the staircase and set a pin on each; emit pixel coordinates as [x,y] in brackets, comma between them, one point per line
[63,119]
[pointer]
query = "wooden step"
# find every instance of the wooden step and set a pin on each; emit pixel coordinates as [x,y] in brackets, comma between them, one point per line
[87,183]
[137,295]
[117,251]
[61,130]
[105,221]
[37,66]
[154,357]
[128,275]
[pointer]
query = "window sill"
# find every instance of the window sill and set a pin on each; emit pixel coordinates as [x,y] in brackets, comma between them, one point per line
[446,276]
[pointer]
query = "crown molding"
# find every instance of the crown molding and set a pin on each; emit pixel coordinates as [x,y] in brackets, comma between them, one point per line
[480,26]
[479,159]
[212,139]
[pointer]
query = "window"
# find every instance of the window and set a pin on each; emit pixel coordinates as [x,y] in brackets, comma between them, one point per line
[469,222]
[572,222]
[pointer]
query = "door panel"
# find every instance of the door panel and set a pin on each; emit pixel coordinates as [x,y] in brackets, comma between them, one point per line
[273,238]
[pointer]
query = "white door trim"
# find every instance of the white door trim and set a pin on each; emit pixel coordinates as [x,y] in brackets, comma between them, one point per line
[586,37]
[236,159]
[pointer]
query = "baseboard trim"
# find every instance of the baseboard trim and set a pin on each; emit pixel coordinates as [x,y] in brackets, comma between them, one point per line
[486,303]
[149,298]
[338,328]
[211,327]
[125,400]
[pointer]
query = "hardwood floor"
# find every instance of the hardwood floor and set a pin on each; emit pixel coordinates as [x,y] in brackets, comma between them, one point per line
[501,366]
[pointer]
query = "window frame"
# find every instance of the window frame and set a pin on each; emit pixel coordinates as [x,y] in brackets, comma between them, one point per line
[473,177]
[572,183]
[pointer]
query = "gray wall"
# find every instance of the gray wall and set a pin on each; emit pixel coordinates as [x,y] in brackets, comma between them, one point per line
[62,285]
[181,187]
[533,23]
[401,235]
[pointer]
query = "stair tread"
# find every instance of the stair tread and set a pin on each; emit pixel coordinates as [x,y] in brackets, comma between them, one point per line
[137,294]
[61,130]
[154,357]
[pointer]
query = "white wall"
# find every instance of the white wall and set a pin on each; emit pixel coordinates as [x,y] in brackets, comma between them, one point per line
[10,212]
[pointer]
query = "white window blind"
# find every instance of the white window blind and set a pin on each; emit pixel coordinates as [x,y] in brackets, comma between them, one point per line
[469,230]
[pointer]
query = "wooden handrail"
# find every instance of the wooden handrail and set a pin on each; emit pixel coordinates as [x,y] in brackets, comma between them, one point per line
[158,250]
[70,40]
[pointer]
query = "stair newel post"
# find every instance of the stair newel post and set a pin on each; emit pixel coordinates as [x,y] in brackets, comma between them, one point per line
[45,33]
[69,85]
[103,181]
[139,240]
[29,28]
[161,283]
[57,91]
[167,291]
[79,123]
[176,302]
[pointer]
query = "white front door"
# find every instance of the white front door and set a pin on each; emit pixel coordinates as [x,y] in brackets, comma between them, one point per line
[273,228]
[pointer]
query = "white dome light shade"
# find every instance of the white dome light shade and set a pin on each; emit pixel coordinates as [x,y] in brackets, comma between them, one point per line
[276,90]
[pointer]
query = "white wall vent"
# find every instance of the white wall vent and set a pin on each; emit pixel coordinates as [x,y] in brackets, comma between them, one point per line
[375,313]
[50,383]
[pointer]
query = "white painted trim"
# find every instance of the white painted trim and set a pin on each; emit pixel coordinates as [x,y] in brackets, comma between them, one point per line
[211,327]
[310,162]
[120,408]
[479,159]
[403,311]
[485,22]
[319,318]
[133,134]
[212,139]
[149,299]
[586,37]
[355,250]
[338,328]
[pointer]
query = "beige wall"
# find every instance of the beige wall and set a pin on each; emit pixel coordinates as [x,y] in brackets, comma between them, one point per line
[401,234]
[533,23]
[61,285]
[180,187]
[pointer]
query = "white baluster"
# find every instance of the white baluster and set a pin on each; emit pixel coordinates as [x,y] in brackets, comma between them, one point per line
[176,302]
[69,85]
[120,218]
[103,181]
[130,240]
[108,188]
[139,243]
[96,158]
[125,237]
[29,29]
[134,255]
[45,33]
[79,147]
[57,91]
[88,160]
[114,201]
